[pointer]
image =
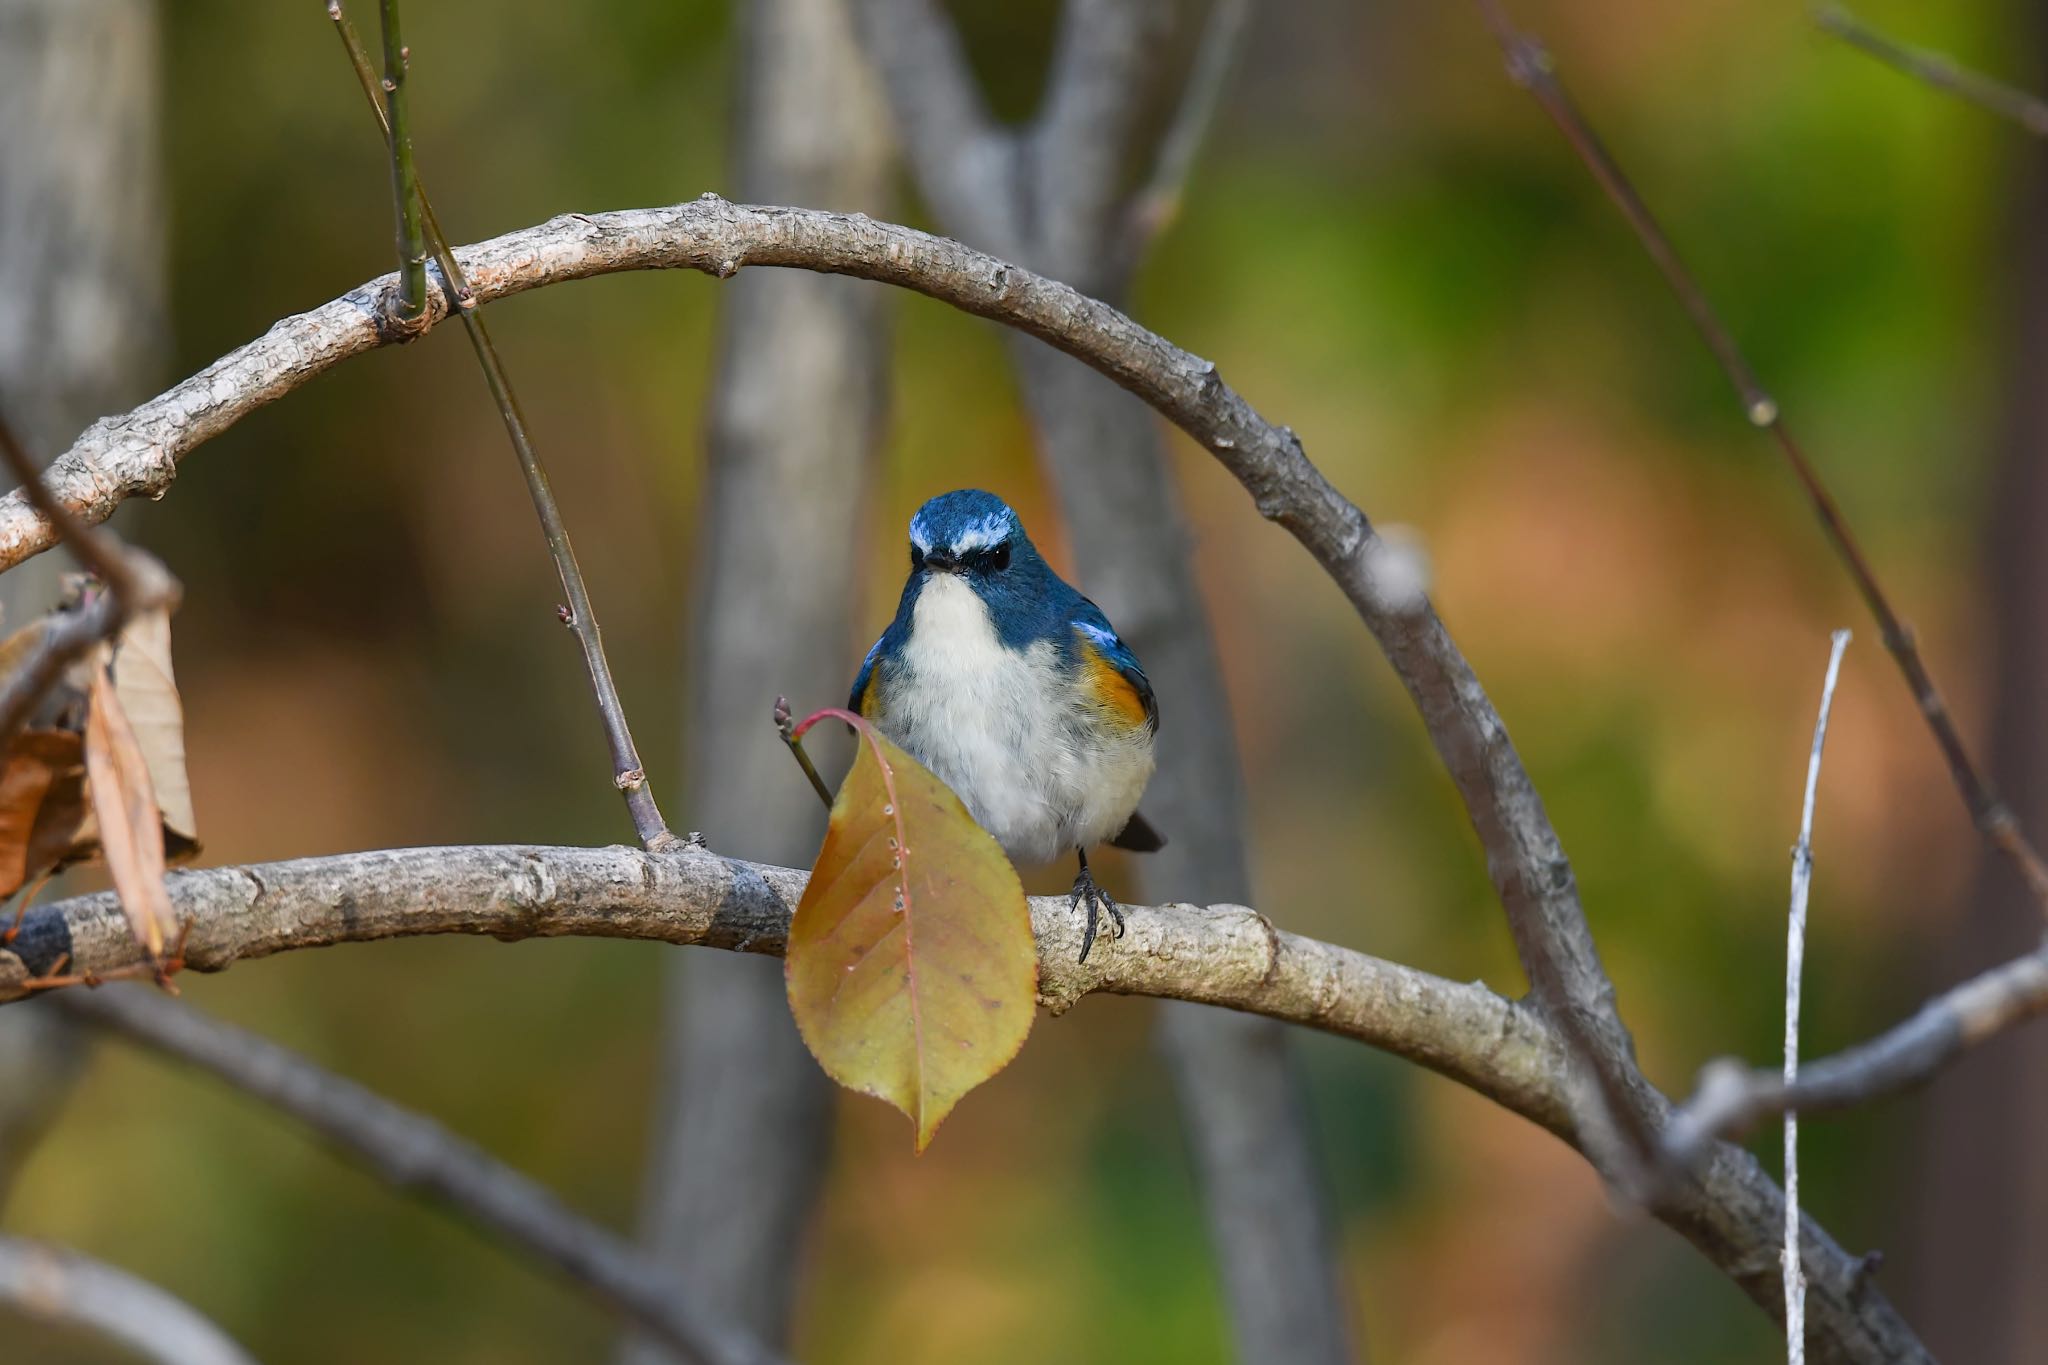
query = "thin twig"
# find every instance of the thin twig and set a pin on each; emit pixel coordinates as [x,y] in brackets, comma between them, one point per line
[57,1284]
[405,198]
[1938,69]
[629,775]
[1530,66]
[785,726]
[1795,962]
[135,582]
[418,1155]
[1157,202]
[1731,1098]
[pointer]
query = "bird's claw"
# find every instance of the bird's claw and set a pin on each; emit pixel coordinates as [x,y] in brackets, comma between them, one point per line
[1098,901]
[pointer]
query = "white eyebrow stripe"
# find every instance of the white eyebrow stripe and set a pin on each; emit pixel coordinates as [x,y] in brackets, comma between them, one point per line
[920,534]
[992,529]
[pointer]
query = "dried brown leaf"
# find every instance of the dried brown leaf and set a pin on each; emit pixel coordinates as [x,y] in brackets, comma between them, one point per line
[37,762]
[149,694]
[124,806]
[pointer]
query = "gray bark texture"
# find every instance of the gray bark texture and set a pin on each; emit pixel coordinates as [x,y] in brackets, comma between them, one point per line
[743,1130]
[1980,1250]
[1227,955]
[81,322]
[1067,213]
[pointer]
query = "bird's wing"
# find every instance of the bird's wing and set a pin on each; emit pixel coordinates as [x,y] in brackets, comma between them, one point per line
[858,700]
[1111,671]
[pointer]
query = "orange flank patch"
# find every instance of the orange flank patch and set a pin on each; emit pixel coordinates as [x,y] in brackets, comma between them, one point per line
[866,704]
[1109,690]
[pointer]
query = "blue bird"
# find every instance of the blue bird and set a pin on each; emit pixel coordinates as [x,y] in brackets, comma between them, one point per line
[1016,692]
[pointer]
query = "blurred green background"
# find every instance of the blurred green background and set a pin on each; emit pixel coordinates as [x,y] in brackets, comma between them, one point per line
[1386,247]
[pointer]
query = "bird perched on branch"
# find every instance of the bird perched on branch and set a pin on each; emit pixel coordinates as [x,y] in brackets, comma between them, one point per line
[1016,692]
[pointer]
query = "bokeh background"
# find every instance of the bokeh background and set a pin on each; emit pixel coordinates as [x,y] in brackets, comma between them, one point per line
[1387,247]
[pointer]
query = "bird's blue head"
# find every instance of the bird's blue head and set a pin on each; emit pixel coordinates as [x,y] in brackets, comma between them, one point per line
[976,536]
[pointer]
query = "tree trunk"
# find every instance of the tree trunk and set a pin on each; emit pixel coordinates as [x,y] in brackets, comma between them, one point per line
[742,1135]
[1980,1253]
[81,332]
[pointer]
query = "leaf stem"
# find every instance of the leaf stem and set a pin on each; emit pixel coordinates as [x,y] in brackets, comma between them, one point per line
[795,742]
[579,615]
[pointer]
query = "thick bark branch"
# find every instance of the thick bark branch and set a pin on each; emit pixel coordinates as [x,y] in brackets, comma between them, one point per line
[1224,955]
[62,1286]
[1730,1213]
[137,453]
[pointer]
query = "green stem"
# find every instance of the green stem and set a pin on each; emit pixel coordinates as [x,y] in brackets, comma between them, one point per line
[628,775]
[405,196]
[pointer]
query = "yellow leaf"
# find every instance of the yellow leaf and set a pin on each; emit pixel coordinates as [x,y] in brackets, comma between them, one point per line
[911,968]
[131,830]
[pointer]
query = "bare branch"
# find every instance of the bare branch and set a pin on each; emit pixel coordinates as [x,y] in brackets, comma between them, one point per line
[1225,955]
[95,550]
[59,1285]
[629,775]
[1795,959]
[136,582]
[1530,66]
[1107,63]
[1222,955]
[137,453]
[1732,1213]
[1732,1099]
[966,161]
[1157,202]
[421,1157]
[1939,70]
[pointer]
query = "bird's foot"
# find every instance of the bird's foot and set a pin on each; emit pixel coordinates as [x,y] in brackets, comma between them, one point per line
[1099,901]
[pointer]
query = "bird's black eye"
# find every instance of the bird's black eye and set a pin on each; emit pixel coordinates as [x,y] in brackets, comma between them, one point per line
[994,559]
[916,559]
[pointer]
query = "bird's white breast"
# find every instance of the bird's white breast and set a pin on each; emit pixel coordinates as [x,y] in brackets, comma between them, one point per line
[1003,728]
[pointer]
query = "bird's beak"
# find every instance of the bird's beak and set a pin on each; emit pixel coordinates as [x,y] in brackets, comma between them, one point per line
[939,561]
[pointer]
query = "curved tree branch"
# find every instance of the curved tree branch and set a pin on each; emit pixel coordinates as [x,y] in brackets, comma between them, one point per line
[138,453]
[1226,955]
[419,1156]
[1730,1210]
[58,1285]
[1220,955]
